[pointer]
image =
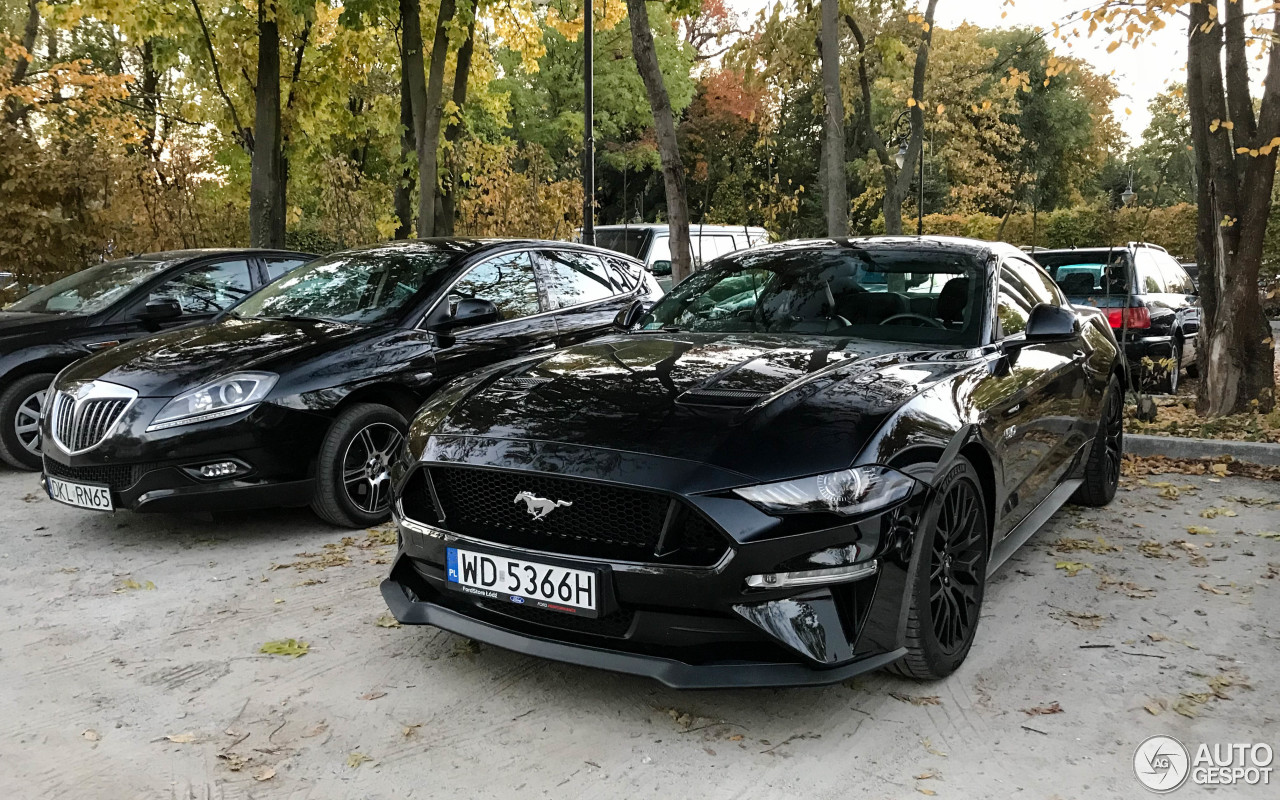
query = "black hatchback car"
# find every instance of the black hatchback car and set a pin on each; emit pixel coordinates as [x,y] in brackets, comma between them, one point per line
[1150,301]
[802,464]
[300,394]
[104,305]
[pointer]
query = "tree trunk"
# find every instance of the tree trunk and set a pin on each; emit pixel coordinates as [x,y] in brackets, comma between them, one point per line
[668,148]
[448,210]
[429,128]
[833,170]
[404,187]
[1236,355]
[412,67]
[266,176]
[149,98]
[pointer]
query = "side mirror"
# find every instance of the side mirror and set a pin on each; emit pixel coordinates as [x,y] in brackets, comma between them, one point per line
[629,316]
[661,267]
[468,313]
[161,309]
[1049,323]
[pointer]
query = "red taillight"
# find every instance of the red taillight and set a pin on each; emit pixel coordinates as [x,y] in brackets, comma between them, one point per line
[1137,318]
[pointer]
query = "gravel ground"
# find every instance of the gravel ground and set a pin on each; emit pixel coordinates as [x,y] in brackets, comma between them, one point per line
[111,691]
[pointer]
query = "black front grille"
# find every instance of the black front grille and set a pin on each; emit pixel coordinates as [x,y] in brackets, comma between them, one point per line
[83,425]
[117,477]
[574,517]
[615,624]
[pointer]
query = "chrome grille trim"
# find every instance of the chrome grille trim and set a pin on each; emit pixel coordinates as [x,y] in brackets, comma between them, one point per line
[84,414]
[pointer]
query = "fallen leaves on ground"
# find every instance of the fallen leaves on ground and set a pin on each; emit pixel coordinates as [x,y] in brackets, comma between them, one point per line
[1153,549]
[1211,589]
[917,700]
[1200,530]
[129,584]
[1214,512]
[1272,535]
[356,759]
[410,729]
[336,554]
[90,734]
[1066,544]
[1223,465]
[372,695]
[929,748]
[1128,588]
[285,647]
[1072,568]
[1189,703]
[1080,619]
[387,621]
[264,774]
[181,738]
[1035,711]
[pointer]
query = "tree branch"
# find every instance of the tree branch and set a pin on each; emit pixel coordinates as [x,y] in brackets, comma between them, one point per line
[864,83]
[243,134]
[916,142]
[297,64]
[1239,103]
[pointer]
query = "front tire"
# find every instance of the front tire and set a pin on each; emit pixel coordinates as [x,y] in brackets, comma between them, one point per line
[1102,470]
[21,405]
[949,577]
[353,470]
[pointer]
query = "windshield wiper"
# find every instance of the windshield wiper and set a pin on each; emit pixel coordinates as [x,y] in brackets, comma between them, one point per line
[303,318]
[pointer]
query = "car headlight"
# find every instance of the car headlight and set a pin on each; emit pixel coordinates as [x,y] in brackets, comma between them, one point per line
[220,398]
[850,491]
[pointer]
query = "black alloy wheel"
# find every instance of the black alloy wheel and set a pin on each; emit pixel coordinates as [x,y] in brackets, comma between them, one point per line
[353,470]
[1102,471]
[21,406]
[948,577]
[957,567]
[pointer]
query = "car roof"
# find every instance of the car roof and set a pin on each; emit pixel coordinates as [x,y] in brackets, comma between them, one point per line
[464,246]
[926,244]
[693,227]
[199,252]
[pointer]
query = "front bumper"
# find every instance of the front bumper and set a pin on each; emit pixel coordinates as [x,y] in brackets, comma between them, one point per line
[147,471]
[688,626]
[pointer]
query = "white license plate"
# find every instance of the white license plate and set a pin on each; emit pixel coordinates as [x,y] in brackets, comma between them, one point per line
[569,591]
[83,495]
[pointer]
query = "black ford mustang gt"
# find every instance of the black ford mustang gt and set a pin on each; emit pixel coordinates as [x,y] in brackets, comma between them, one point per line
[801,465]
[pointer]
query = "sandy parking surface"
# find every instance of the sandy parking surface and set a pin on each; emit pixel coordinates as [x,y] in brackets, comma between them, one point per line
[96,675]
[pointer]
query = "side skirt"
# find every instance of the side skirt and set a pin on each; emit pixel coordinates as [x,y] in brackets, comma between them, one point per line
[1031,523]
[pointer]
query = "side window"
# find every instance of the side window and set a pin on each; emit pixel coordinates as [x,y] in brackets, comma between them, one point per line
[208,289]
[711,245]
[1037,281]
[661,249]
[625,276]
[507,281]
[1176,279]
[1149,278]
[1013,305]
[572,278]
[277,267]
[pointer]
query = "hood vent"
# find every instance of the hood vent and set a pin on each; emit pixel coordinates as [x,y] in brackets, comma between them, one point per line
[736,398]
[520,383]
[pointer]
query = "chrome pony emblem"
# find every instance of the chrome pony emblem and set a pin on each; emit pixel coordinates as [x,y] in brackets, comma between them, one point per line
[540,507]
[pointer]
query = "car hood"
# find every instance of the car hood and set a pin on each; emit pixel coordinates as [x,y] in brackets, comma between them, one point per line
[764,406]
[16,322]
[169,363]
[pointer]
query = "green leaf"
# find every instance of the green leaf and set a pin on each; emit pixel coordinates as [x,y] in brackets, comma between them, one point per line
[285,647]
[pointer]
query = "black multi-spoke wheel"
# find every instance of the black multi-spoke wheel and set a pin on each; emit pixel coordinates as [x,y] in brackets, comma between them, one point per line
[948,576]
[957,561]
[21,405]
[1102,470]
[353,473]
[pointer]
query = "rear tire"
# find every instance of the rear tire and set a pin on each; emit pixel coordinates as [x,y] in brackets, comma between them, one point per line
[21,405]
[1102,470]
[1166,381]
[353,480]
[949,577]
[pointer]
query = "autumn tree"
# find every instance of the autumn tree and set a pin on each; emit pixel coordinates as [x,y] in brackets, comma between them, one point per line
[835,190]
[1235,134]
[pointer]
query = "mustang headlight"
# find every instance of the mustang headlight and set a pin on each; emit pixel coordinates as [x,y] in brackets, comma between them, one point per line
[220,398]
[850,491]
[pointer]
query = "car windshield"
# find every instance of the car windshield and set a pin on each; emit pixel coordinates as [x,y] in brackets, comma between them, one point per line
[622,240]
[1084,273]
[90,290]
[362,287]
[899,294]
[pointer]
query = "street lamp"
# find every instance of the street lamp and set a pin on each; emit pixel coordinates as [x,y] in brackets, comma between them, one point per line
[1126,197]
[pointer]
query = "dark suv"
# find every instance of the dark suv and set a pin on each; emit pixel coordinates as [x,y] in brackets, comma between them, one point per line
[301,393]
[104,305]
[1149,299]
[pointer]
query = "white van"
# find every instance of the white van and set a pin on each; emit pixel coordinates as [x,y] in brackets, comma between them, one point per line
[650,242]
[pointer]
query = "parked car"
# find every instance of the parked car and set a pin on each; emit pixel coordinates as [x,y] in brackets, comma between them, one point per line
[300,394]
[103,306]
[802,464]
[650,243]
[1150,301]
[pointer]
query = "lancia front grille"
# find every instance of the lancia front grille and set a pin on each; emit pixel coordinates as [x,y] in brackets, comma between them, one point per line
[82,417]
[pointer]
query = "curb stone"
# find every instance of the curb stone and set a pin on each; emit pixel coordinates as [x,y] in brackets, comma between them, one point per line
[1263,453]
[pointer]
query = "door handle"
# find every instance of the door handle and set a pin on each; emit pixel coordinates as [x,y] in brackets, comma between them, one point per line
[543,348]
